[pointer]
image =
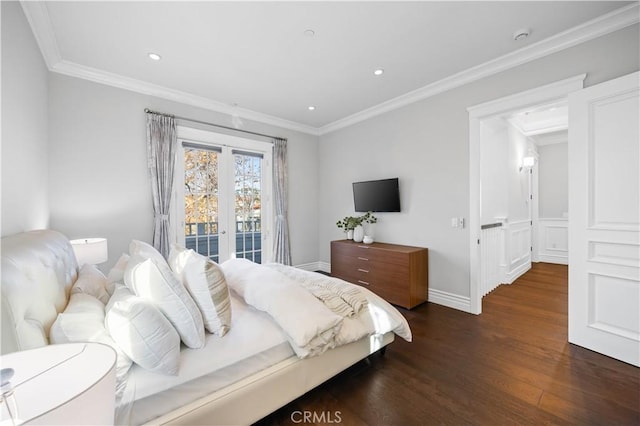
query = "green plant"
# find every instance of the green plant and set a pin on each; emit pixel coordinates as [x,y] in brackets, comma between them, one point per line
[368,217]
[350,223]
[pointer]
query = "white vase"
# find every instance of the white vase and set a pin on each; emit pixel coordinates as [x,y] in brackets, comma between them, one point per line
[370,229]
[358,234]
[367,239]
[350,234]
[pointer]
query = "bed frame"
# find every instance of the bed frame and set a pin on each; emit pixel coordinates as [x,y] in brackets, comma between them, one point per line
[38,270]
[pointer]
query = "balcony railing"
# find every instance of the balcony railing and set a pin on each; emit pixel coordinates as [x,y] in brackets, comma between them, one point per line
[203,238]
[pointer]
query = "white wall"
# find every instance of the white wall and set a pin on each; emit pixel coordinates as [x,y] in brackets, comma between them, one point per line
[426,145]
[99,182]
[518,180]
[553,180]
[25,201]
[494,196]
[504,187]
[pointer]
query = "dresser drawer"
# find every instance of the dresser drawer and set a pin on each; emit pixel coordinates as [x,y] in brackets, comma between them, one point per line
[393,291]
[372,253]
[373,276]
[396,273]
[393,295]
[370,266]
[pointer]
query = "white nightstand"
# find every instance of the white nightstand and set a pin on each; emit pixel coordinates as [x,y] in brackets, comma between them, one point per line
[70,384]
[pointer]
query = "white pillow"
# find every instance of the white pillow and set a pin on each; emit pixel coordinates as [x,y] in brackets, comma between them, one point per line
[142,332]
[91,281]
[83,321]
[155,282]
[145,250]
[116,274]
[206,283]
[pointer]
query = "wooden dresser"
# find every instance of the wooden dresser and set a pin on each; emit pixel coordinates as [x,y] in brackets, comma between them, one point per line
[398,274]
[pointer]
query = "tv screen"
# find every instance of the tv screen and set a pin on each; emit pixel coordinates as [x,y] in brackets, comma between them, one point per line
[377,196]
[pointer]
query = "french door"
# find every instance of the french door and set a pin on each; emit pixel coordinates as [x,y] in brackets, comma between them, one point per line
[221,206]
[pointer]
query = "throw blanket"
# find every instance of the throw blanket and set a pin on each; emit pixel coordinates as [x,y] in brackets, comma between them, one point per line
[310,326]
[345,299]
[317,312]
[341,297]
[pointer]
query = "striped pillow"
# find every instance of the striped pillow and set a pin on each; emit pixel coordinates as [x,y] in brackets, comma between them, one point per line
[206,283]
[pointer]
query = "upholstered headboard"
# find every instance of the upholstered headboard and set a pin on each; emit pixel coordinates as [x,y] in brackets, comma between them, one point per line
[38,270]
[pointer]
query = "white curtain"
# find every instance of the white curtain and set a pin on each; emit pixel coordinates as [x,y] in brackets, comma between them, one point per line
[161,151]
[281,249]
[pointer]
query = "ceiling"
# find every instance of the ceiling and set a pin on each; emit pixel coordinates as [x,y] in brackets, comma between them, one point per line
[542,120]
[254,59]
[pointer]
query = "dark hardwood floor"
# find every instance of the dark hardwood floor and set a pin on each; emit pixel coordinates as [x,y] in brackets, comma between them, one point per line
[511,365]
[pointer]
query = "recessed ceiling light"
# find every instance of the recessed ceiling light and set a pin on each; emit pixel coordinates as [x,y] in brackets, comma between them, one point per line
[521,34]
[379,71]
[155,56]
[309,33]
[311,108]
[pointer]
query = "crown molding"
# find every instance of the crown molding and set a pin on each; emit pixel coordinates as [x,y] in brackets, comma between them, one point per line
[551,138]
[38,18]
[605,24]
[116,80]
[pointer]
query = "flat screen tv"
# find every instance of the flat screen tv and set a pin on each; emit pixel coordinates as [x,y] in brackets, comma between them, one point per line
[377,196]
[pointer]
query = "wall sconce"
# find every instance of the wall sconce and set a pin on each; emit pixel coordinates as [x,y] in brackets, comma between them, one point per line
[92,251]
[528,162]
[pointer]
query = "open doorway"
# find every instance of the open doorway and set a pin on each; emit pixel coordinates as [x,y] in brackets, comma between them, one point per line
[523,192]
[521,211]
[545,128]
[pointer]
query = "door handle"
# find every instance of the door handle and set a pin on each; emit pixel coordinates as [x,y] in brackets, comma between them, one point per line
[223,232]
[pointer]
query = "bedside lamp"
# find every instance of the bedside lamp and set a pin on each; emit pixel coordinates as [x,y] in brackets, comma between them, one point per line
[64,384]
[92,251]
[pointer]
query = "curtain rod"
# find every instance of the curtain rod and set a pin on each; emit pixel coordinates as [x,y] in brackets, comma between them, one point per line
[147,110]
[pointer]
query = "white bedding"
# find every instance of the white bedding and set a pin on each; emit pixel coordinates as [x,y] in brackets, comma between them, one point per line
[253,343]
[310,324]
[379,317]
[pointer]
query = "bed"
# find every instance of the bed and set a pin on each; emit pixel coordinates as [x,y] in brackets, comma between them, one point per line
[255,367]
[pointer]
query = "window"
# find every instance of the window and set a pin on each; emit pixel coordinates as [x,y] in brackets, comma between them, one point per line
[248,205]
[222,206]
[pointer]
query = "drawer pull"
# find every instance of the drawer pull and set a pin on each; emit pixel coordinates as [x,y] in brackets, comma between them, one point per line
[363,282]
[364,247]
[363,258]
[363,270]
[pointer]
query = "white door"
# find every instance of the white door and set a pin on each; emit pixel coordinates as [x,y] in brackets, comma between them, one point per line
[604,212]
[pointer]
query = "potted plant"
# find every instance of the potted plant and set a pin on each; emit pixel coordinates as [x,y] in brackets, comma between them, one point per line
[359,232]
[353,225]
[348,224]
[368,217]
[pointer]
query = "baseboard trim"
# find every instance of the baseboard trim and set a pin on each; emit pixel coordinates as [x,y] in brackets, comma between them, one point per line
[517,273]
[549,258]
[450,300]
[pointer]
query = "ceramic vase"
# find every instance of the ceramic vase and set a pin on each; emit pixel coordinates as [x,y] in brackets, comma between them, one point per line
[358,234]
